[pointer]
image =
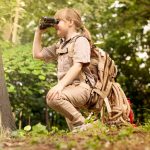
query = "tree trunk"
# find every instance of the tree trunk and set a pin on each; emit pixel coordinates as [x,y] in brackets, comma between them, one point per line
[15,24]
[6,118]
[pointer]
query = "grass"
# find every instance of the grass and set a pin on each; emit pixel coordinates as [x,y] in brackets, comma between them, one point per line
[146,126]
[99,137]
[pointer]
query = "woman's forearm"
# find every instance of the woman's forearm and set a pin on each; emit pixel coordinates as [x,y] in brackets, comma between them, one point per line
[36,50]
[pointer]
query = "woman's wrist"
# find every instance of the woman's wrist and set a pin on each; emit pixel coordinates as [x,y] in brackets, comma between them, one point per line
[61,84]
[38,31]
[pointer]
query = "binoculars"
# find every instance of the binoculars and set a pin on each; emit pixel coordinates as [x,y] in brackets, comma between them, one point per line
[46,22]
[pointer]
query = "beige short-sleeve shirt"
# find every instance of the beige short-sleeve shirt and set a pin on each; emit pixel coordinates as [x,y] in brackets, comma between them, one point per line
[49,53]
[82,51]
[66,57]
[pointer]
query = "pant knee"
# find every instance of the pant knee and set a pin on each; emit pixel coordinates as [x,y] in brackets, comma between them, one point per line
[54,103]
[51,103]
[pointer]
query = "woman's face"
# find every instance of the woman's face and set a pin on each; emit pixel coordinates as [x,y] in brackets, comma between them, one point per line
[62,28]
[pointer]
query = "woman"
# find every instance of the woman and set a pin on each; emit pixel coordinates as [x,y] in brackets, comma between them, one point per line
[72,53]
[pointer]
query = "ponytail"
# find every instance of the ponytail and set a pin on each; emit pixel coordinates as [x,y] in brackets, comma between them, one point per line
[85,32]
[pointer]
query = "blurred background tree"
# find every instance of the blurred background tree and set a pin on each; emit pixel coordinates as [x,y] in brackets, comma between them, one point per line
[120,27]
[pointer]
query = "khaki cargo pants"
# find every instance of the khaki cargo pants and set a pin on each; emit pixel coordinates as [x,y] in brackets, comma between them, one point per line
[73,98]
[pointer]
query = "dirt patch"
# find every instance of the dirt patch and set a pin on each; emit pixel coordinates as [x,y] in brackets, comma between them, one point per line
[92,139]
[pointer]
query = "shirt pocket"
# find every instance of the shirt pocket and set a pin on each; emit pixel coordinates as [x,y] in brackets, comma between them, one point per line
[64,62]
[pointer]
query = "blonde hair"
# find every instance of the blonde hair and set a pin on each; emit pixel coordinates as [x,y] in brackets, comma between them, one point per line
[72,14]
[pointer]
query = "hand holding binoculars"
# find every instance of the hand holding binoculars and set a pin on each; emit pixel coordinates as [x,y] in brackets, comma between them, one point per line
[46,22]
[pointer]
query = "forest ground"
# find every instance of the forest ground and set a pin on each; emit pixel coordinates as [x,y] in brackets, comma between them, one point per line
[99,137]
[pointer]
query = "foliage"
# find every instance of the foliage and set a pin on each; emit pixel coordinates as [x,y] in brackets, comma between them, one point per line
[28,81]
[118,26]
[147,125]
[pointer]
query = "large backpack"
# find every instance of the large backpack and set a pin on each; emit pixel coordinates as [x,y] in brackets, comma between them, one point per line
[107,93]
[107,96]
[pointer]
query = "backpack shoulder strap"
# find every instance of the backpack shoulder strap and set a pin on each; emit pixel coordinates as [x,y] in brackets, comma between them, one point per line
[72,42]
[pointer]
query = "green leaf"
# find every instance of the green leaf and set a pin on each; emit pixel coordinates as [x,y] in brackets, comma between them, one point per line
[39,129]
[41,77]
[27,128]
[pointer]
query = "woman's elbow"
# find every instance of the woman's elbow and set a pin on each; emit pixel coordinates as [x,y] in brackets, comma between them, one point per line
[78,66]
[37,56]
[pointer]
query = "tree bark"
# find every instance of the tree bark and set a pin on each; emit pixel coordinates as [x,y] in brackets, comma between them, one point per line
[7,121]
[15,24]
